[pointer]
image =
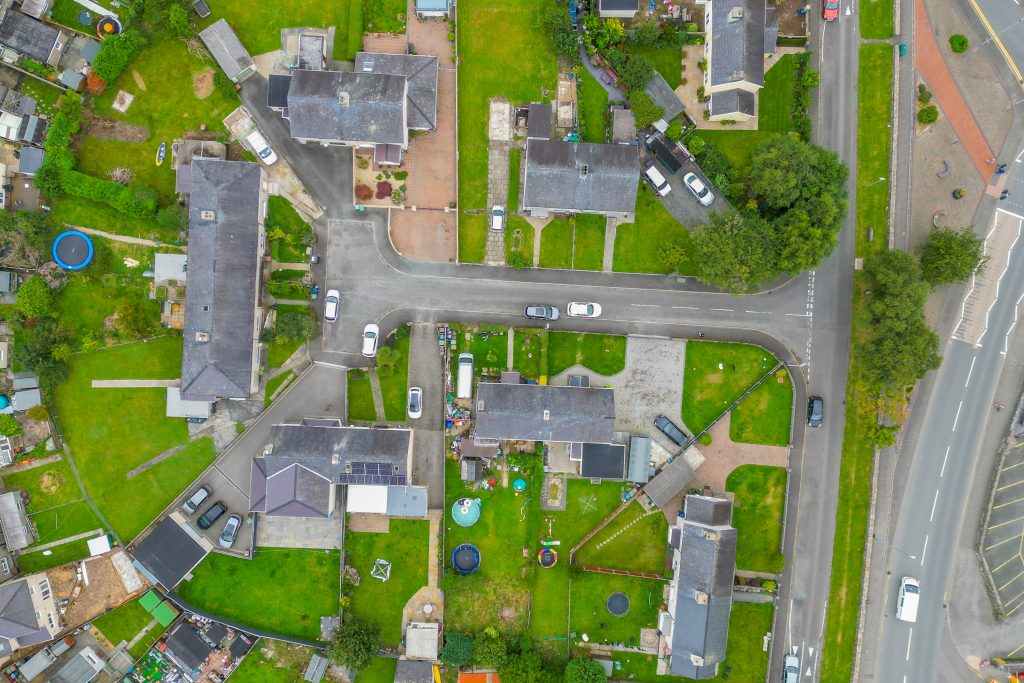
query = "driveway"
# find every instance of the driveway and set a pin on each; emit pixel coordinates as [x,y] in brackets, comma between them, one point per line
[426,372]
[680,202]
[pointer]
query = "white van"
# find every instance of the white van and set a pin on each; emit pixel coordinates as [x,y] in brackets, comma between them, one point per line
[657,181]
[906,604]
[260,147]
[464,388]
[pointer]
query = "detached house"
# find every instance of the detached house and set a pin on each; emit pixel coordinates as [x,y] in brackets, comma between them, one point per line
[740,34]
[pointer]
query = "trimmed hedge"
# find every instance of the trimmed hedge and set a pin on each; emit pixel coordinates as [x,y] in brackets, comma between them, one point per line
[805,80]
[116,53]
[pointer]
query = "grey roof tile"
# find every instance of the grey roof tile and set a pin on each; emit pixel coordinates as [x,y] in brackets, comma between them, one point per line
[420,72]
[734,101]
[17,615]
[737,41]
[413,671]
[537,412]
[347,107]
[581,177]
[603,461]
[28,36]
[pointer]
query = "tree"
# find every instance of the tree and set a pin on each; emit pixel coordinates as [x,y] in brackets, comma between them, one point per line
[178,22]
[785,171]
[457,649]
[645,112]
[636,72]
[644,33]
[734,252]
[554,20]
[35,351]
[584,670]
[294,325]
[9,426]
[133,319]
[958,43]
[489,650]
[354,644]
[34,299]
[524,667]
[952,256]
[927,115]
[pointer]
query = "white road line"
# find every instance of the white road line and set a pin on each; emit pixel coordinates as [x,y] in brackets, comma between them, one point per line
[910,639]
[727,310]
[646,305]
[925,551]
[934,502]
[957,418]
[688,308]
[796,315]
[971,371]
[943,472]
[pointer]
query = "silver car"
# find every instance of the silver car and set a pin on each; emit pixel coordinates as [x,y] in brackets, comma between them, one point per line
[227,537]
[698,188]
[195,500]
[791,669]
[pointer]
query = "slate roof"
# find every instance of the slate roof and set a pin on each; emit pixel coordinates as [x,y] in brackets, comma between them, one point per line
[14,522]
[223,280]
[667,483]
[603,461]
[581,176]
[538,122]
[222,42]
[639,459]
[420,72]
[706,566]
[517,411]
[375,111]
[79,669]
[277,90]
[771,30]
[168,553]
[662,94]
[737,41]
[31,159]
[708,510]
[733,102]
[17,615]
[413,671]
[28,36]
[618,5]
[316,668]
[185,647]
[288,489]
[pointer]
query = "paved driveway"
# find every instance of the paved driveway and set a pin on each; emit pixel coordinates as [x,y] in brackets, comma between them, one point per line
[680,202]
[426,371]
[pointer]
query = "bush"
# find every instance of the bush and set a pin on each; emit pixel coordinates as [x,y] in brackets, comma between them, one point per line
[364,192]
[116,53]
[958,43]
[384,190]
[644,110]
[924,96]
[178,22]
[224,85]
[9,426]
[39,413]
[929,114]
[458,648]
[34,299]
[636,73]
[173,216]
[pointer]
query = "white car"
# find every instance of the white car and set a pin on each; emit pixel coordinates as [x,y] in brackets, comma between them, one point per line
[497,218]
[415,402]
[698,188]
[261,147]
[331,304]
[371,335]
[579,309]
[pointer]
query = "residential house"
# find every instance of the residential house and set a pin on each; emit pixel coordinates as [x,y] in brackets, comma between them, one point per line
[413,671]
[222,42]
[24,36]
[36,8]
[433,8]
[184,151]
[17,530]
[580,177]
[739,35]
[220,358]
[665,97]
[304,465]
[420,73]
[696,620]
[28,613]
[617,9]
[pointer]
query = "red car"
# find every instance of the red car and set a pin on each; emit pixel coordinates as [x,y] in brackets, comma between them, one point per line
[830,9]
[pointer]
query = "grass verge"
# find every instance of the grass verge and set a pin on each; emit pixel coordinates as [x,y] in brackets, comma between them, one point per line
[757,515]
[876,19]
[360,396]
[556,244]
[394,387]
[605,354]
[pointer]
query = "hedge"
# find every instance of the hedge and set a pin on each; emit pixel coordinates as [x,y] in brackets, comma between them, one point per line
[116,53]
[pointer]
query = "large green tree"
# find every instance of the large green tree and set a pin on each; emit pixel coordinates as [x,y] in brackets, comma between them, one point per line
[584,670]
[354,644]
[34,299]
[735,252]
[952,255]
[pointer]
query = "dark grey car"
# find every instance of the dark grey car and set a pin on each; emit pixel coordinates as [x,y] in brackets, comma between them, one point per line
[538,312]
[815,411]
[669,429]
[211,515]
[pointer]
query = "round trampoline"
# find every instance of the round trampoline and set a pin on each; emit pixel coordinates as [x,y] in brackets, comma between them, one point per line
[617,604]
[466,511]
[108,26]
[72,250]
[466,558]
[547,558]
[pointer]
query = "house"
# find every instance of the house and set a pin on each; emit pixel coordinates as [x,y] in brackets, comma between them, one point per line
[739,35]
[412,671]
[580,177]
[420,73]
[220,357]
[540,412]
[303,466]
[184,151]
[222,42]
[18,532]
[187,649]
[696,620]
[433,8]
[665,97]
[28,613]
[24,36]
[618,9]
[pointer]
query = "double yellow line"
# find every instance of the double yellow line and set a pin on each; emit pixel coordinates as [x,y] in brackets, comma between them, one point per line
[998,42]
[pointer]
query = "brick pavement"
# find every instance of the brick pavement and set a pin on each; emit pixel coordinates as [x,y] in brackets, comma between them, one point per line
[497,194]
[724,455]
[386,43]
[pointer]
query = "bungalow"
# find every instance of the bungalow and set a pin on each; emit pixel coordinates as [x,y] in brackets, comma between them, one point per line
[618,9]
[23,36]
[507,411]
[222,42]
[696,620]
[433,8]
[580,177]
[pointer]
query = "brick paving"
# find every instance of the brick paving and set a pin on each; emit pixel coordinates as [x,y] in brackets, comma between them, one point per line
[724,455]
[386,43]
[497,193]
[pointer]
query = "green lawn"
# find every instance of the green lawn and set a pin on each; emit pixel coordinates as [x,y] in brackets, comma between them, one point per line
[775,112]
[873,137]
[125,622]
[490,355]
[876,20]
[360,397]
[764,417]
[381,670]
[588,253]
[274,661]
[259,26]
[638,245]
[65,12]
[605,354]
[290,247]
[556,244]
[286,591]
[666,60]
[405,546]
[280,350]
[56,504]
[515,157]
[283,379]
[757,514]
[709,389]
[82,212]
[519,241]
[503,53]
[590,592]
[394,388]
[642,547]
[62,554]
[44,95]
[593,103]
[384,16]
[124,428]
[530,355]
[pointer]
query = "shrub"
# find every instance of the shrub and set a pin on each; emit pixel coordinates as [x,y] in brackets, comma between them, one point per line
[927,115]
[363,192]
[384,190]
[9,426]
[924,96]
[173,216]
[224,85]
[116,53]
[958,43]
[636,72]
[39,413]
[34,299]
[178,22]
[458,648]
[644,110]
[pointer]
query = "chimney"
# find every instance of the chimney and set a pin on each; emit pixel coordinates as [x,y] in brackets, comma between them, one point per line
[736,13]
[208,215]
[547,415]
[202,336]
[700,597]
[584,170]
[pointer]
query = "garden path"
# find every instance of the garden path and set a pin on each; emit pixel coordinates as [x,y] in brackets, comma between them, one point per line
[609,244]
[119,238]
[69,539]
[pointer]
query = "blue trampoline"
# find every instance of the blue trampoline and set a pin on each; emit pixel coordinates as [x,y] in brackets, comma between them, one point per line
[466,558]
[72,250]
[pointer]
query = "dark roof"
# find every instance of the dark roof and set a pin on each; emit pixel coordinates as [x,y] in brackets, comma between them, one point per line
[737,39]
[168,553]
[733,102]
[639,459]
[619,5]
[216,632]
[538,122]
[277,90]
[186,648]
[90,49]
[581,176]
[17,615]
[771,30]
[663,96]
[14,524]
[348,107]
[667,483]
[80,668]
[223,280]
[536,412]
[603,461]
[227,50]
[420,72]
[288,489]
[706,566]
[28,36]
[412,671]
[708,510]
[668,153]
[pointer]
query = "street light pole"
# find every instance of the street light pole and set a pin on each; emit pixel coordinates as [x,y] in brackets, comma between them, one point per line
[874,182]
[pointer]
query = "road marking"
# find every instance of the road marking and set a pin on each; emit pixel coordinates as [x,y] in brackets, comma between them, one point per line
[943,472]
[998,42]
[795,315]
[910,639]
[925,551]
[957,418]
[934,501]
[971,371]
[646,305]
[688,308]
[727,310]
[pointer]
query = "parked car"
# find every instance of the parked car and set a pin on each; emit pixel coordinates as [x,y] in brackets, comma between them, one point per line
[497,217]
[579,309]
[791,669]
[314,259]
[698,188]
[815,411]
[540,312]
[371,336]
[227,537]
[331,304]
[212,514]
[657,181]
[669,429]
[261,148]
[196,499]
[415,402]
[909,596]
[830,10]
